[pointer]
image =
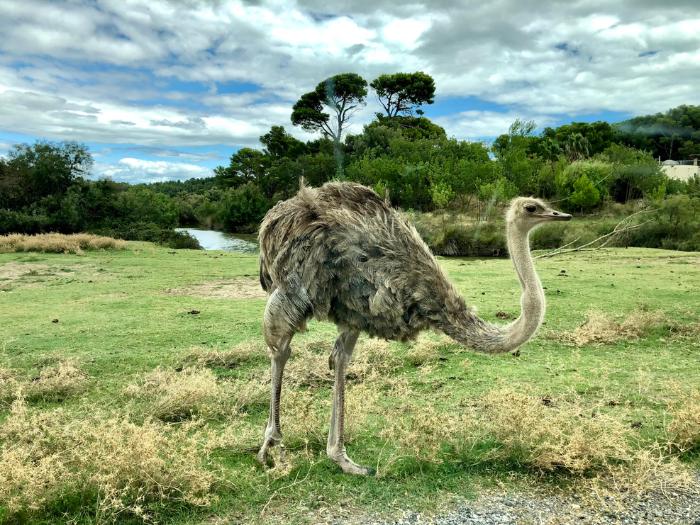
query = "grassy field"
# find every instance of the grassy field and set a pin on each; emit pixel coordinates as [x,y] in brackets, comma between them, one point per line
[133,386]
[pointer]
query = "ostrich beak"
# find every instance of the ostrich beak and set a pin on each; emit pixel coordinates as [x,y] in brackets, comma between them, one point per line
[554,215]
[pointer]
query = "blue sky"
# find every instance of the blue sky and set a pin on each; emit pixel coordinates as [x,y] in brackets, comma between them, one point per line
[167,90]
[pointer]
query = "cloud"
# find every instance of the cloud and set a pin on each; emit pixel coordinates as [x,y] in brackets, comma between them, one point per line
[5,148]
[166,74]
[138,170]
[480,125]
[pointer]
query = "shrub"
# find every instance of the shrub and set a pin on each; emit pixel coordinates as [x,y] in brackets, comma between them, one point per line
[179,240]
[474,240]
[151,232]
[579,183]
[585,195]
[550,237]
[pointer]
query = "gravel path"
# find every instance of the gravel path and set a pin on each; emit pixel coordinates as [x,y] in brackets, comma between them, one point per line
[671,508]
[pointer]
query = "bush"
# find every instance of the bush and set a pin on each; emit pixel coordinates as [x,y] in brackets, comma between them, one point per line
[579,184]
[179,240]
[151,232]
[674,226]
[482,239]
[585,195]
[549,238]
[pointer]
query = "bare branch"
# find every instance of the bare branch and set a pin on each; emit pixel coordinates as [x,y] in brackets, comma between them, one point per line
[621,227]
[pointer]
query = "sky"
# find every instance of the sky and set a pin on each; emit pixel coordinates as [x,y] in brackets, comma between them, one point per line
[168,90]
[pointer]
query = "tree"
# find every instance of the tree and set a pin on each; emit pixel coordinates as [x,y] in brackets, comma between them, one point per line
[404,92]
[667,135]
[585,195]
[247,165]
[279,144]
[42,169]
[341,94]
[513,151]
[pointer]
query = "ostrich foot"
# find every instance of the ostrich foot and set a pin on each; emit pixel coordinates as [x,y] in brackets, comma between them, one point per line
[349,466]
[265,457]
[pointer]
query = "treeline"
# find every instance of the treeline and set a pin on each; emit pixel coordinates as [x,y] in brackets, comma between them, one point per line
[583,166]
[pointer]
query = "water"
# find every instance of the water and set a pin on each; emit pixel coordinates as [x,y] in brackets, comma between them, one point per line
[228,242]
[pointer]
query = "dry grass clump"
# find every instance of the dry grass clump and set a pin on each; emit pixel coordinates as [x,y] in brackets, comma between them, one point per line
[425,351]
[248,394]
[649,472]
[510,427]
[554,435]
[305,414]
[599,328]
[426,434]
[58,243]
[372,359]
[231,358]
[304,418]
[110,465]
[9,387]
[684,428]
[176,396]
[56,383]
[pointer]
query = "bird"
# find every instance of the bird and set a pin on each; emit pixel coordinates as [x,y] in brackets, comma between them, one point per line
[341,253]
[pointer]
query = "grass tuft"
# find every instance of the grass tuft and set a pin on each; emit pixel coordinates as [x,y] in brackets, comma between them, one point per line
[58,243]
[231,358]
[50,462]
[176,396]
[684,427]
[599,328]
[553,436]
[9,386]
[57,382]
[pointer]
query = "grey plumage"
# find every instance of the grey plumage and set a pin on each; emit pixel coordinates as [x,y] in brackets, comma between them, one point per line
[341,253]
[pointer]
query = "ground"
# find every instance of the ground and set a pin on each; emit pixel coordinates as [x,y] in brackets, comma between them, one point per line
[161,347]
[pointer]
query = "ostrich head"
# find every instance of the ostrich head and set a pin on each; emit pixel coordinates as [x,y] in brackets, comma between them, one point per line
[527,213]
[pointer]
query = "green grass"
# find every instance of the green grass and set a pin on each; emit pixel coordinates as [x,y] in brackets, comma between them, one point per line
[111,312]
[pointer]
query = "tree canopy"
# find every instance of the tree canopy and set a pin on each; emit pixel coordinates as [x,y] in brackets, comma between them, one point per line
[674,134]
[401,93]
[341,94]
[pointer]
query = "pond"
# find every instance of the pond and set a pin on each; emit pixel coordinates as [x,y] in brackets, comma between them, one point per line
[228,242]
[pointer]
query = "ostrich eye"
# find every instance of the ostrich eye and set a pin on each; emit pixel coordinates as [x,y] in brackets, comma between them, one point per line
[530,208]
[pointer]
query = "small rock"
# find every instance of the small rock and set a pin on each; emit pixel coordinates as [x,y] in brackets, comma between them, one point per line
[54,320]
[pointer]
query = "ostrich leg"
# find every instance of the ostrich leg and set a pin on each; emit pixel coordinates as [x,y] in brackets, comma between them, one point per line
[278,331]
[339,359]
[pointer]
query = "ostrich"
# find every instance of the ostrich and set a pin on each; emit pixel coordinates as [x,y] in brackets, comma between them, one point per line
[341,253]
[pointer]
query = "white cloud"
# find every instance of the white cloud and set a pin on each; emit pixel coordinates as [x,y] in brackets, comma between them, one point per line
[4,149]
[477,125]
[138,170]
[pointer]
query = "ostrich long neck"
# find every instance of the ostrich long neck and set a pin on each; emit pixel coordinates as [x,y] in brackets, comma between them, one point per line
[470,330]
